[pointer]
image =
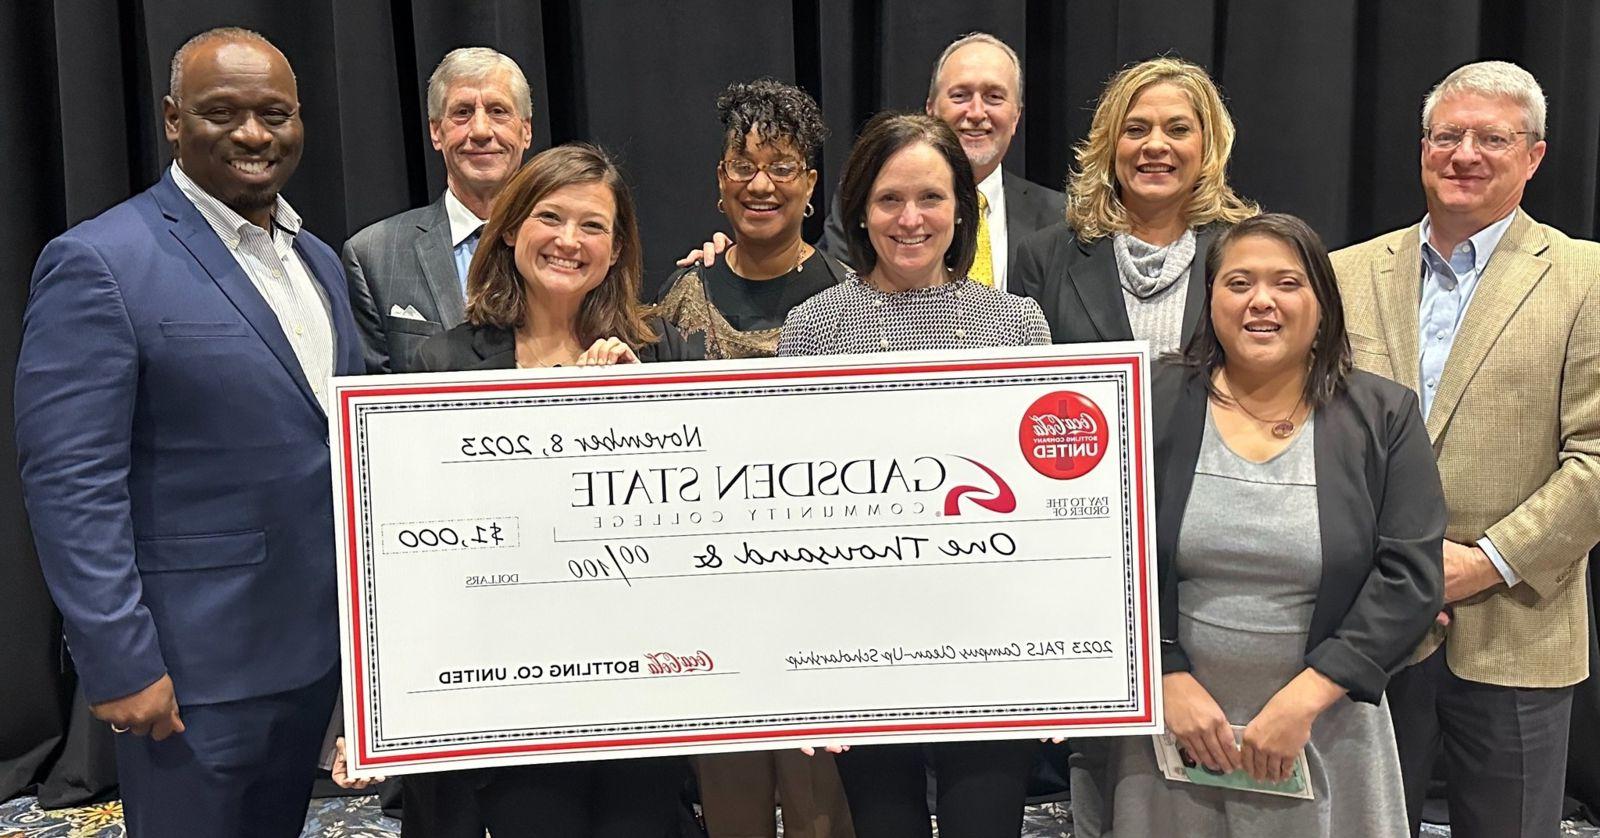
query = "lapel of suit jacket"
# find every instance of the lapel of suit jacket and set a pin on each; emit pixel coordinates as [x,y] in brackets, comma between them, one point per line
[1515,267]
[1195,298]
[437,257]
[1098,285]
[1017,227]
[191,229]
[1397,287]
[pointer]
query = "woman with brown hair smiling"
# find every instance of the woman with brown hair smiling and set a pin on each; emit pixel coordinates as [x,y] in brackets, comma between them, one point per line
[910,206]
[555,282]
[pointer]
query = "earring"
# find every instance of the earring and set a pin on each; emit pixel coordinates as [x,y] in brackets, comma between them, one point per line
[861,224]
[958,219]
[719,207]
[810,211]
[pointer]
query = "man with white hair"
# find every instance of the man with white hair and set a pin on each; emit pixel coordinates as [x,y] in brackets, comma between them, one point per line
[1494,319]
[408,272]
[976,89]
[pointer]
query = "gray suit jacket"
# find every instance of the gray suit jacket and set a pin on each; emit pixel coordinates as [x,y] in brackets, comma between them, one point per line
[1029,207]
[404,260]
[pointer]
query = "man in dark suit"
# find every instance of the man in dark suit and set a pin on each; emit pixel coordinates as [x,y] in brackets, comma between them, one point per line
[172,430]
[976,89]
[408,272]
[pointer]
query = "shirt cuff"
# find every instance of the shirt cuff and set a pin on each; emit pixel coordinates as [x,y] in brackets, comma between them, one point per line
[1499,562]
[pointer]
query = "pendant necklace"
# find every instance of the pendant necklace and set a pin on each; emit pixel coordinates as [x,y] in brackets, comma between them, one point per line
[1281,428]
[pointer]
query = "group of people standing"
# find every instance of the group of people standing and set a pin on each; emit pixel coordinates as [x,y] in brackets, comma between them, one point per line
[1377,473]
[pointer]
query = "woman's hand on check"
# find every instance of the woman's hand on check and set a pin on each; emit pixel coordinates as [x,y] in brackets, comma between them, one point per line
[810,751]
[341,773]
[605,352]
[1199,725]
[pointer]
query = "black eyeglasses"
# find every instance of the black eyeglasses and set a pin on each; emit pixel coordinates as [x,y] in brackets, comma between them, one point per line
[740,170]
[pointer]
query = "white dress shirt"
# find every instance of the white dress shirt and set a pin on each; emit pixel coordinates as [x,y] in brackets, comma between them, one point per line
[277,273]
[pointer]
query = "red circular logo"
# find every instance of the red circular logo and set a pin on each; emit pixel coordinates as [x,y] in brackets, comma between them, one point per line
[1063,435]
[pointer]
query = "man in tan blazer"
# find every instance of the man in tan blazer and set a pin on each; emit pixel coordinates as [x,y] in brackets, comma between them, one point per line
[1494,319]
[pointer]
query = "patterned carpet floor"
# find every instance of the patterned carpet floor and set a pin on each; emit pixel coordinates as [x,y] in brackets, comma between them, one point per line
[358,817]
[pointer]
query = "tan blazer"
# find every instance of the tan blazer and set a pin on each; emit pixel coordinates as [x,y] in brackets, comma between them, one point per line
[1515,425]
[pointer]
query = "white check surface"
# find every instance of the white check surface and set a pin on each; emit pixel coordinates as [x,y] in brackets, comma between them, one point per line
[699,557]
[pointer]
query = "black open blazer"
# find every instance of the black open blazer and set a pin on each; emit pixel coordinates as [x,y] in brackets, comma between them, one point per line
[1380,510]
[1077,286]
[469,347]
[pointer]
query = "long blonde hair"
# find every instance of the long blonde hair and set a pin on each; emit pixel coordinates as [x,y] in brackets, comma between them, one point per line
[1094,206]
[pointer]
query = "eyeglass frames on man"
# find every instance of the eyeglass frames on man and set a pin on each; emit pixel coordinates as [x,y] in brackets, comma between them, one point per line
[1492,138]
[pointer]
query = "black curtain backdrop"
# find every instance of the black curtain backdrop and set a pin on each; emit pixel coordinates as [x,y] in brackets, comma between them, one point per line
[1326,96]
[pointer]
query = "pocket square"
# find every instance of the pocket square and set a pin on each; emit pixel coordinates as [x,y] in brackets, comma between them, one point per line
[409,312]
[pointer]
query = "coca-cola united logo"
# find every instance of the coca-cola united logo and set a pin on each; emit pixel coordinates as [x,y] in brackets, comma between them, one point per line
[1063,435]
[672,663]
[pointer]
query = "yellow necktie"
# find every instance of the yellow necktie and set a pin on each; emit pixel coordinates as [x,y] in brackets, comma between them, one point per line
[983,264]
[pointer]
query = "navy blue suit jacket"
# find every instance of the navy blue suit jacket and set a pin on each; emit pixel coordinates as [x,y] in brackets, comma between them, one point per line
[174,459]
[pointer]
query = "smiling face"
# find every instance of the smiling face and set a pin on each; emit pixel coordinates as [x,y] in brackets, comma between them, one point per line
[1159,151]
[977,96]
[762,209]
[565,247]
[481,135]
[1263,308]
[1468,187]
[911,216]
[235,125]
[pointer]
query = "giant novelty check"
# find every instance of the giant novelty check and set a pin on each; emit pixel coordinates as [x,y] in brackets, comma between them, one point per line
[580,564]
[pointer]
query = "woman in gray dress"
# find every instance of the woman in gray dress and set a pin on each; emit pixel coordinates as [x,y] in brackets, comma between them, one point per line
[1299,529]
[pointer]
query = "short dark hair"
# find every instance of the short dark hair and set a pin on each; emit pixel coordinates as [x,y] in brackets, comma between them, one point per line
[495,293]
[1330,347]
[886,134]
[236,34]
[775,111]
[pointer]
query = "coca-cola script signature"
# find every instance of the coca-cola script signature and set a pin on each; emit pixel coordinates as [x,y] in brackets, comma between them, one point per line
[672,663]
[1049,424]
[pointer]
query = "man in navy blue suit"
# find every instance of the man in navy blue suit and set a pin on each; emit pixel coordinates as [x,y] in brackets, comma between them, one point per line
[173,433]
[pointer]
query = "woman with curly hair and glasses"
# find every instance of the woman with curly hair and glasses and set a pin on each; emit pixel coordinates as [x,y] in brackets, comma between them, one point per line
[736,306]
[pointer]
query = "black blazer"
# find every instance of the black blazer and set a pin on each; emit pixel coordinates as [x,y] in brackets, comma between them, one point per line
[1029,207]
[1077,285]
[1381,515]
[469,347]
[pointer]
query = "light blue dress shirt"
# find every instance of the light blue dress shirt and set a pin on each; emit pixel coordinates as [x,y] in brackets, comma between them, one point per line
[464,230]
[1447,288]
[463,253]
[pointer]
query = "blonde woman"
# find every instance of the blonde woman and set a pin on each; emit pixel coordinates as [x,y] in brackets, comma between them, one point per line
[1149,194]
